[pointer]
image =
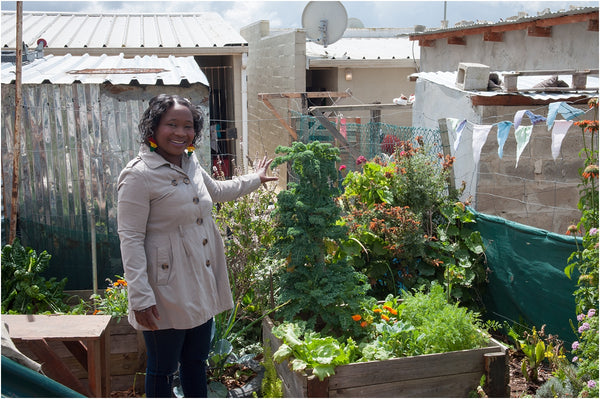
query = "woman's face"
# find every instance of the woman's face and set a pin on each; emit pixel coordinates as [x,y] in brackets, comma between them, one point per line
[174,133]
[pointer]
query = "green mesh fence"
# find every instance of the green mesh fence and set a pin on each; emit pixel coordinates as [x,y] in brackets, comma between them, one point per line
[366,139]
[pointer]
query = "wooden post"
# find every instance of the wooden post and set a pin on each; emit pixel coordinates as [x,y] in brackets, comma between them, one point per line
[446,149]
[14,202]
[497,375]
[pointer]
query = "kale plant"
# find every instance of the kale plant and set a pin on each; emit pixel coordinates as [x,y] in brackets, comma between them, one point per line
[321,290]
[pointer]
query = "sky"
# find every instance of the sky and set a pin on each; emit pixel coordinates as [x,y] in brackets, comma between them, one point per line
[288,14]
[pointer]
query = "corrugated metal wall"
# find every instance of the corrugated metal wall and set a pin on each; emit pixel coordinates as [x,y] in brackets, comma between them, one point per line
[75,140]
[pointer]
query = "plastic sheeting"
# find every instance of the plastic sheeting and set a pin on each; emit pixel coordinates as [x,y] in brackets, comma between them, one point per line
[527,283]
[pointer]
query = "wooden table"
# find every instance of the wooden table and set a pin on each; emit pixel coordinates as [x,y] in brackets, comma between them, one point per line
[87,337]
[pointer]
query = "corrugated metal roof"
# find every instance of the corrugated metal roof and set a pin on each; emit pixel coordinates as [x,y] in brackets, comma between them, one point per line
[146,70]
[79,30]
[523,82]
[372,48]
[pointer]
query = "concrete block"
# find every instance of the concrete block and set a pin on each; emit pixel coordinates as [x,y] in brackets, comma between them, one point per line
[472,76]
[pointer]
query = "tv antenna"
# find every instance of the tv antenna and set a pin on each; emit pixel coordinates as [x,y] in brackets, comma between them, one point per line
[324,21]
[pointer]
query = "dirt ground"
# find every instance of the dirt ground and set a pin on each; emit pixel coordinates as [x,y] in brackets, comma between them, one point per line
[519,387]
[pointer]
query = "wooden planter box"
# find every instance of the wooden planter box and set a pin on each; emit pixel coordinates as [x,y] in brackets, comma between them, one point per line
[127,357]
[451,374]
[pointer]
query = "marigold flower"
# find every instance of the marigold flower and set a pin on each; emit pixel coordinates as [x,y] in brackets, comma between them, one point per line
[122,282]
[363,324]
[356,317]
[386,307]
[109,289]
[590,171]
[377,310]
[385,317]
[96,311]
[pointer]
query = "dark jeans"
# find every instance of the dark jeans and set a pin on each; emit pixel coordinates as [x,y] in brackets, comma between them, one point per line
[166,349]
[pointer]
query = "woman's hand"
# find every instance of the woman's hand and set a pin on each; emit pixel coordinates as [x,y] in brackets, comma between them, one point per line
[146,317]
[261,169]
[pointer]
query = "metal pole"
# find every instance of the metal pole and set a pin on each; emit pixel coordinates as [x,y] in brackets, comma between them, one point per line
[14,202]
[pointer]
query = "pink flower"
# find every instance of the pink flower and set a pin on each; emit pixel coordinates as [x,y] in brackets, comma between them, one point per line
[593,231]
[580,317]
[575,345]
[591,384]
[342,167]
[360,160]
[575,359]
[591,313]
[584,327]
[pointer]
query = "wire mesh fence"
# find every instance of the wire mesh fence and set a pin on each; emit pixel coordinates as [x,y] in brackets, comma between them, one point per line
[367,139]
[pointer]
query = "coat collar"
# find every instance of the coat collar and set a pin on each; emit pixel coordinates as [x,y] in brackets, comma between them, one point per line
[154,160]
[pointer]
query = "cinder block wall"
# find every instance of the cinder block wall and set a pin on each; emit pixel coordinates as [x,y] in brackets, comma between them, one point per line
[276,64]
[540,192]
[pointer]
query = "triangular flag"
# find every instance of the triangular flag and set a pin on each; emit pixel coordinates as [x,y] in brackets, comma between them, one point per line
[565,110]
[559,131]
[480,133]
[459,130]
[519,118]
[522,134]
[535,118]
[503,131]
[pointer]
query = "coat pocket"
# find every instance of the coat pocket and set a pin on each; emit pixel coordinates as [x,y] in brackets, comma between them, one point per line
[163,265]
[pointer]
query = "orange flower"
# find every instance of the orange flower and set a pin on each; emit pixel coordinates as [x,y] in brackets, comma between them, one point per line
[394,312]
[385,317]
[572,230]
[122,282]
[363,324]
[356,317]
[386,307]
[96,311]
[590,171]
[377,310]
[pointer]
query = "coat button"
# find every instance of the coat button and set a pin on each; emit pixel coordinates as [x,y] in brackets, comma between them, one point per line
[207,263]
[196,200]
[186,180]
[199,221]
[164,266]
[173,182]
[204,242]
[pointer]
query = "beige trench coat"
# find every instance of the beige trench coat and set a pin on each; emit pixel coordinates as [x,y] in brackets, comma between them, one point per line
[172,251]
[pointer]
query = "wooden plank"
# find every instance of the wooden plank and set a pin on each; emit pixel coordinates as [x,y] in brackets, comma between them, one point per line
[335,133]
[497,374]
[291,131]
[355,107]
[78,350]
[490,36]
[309,94]
[539,31]
[449,386]
[56,327]
[459,40]
[407,368]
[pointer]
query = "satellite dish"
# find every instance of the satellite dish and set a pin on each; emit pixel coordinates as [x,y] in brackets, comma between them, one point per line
[324,21]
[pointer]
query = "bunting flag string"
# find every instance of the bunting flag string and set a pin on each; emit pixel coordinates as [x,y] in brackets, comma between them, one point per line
[522,133]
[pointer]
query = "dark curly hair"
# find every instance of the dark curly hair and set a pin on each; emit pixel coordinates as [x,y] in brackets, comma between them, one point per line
[158,106]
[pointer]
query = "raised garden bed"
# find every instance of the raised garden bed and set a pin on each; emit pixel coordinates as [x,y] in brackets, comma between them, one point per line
[451,374]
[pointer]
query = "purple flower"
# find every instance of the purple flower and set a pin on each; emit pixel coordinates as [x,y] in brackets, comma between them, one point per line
[593,231]
[360,160]
[575,345]
[575,359]
[580,317]
[584,327]
[591,313]
[591,384]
